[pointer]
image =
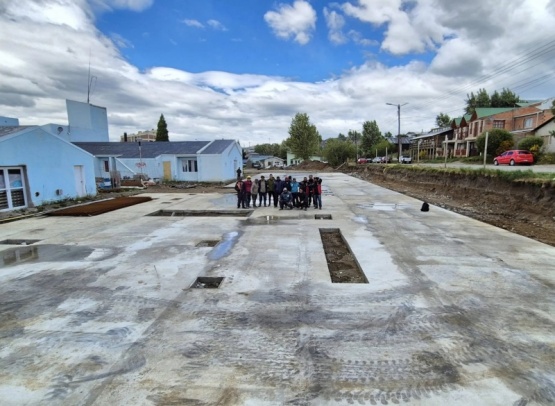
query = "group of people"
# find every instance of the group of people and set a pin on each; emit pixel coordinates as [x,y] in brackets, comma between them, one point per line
[286,192]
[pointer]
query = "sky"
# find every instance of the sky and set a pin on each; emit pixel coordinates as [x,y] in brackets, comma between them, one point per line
[242,69]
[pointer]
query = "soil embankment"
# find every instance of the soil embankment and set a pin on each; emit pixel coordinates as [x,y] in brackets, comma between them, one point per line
[523,207]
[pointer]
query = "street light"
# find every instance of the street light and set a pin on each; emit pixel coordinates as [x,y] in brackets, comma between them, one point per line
[399,126]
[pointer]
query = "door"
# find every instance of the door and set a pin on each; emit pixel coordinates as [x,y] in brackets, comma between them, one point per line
[79,180]
[167,170]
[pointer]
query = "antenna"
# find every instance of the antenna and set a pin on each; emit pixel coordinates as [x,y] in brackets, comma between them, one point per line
[91,81]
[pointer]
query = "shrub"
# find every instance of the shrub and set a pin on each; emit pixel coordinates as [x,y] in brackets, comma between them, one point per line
[497,140]
[547,158]
[532,144]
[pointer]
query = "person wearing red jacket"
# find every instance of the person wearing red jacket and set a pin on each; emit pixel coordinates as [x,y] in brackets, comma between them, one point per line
[248,188]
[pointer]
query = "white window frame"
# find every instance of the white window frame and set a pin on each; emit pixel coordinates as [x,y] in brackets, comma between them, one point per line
[7,189]
[189,165]
[529,122]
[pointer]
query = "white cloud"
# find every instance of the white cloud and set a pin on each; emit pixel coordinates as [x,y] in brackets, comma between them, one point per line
[335,23]
[36,76]
[120,41]
[297,21]
[135,5]
[215,24]
[193,23]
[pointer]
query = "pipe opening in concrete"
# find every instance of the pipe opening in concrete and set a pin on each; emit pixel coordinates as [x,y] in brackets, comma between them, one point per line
[342,264]
[207,282]
[207,243]
[10,241]
[322,216]
[201,213]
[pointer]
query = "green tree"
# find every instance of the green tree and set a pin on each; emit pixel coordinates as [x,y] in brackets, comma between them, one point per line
[371,135]
[508,98]
[443,120]
[553,107]
[162,130]
[481,99]
[341,137]
[382,147]
[304,139]
[338,151]
[388,136]
[496,100]
[499,141]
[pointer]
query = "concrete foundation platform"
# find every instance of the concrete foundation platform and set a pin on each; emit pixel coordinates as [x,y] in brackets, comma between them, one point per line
[102,310]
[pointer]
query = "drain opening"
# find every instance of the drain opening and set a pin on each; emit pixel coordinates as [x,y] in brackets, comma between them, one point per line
[201,213]
[207,282]
[18,242]
[207,243]
[166,202]
[322,216]
[176,198]
[342,264]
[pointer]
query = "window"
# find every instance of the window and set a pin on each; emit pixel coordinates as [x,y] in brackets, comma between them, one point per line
[528,122]
[498,123]
[189,165]
[12,193]
[106,166]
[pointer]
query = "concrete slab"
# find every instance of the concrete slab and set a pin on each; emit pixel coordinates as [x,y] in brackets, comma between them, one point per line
[100,310]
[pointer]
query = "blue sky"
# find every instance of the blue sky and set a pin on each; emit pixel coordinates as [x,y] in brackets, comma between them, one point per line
[242,69]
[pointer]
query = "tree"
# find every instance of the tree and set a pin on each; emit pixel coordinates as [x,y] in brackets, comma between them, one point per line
[341,137]
[162,130]
[371,135]
[499,141]
[496,100]
[304,139]
[382,147]
[338,151]
[508,98]
[553,107]
[443,120]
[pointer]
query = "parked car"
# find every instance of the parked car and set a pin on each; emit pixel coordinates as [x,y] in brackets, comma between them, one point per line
[377,160]
[514,157]
[362,161]
[405,159]
[257,165]
[385,160]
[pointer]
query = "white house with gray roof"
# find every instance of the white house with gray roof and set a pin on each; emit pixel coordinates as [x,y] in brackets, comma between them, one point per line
[193,161]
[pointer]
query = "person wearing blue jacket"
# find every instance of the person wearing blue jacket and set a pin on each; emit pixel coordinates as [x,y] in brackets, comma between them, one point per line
[295,191]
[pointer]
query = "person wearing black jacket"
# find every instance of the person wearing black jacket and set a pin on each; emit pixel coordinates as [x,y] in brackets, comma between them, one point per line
[278,188]
[262,191]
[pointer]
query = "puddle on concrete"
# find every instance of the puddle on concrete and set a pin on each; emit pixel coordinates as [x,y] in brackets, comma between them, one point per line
[201,213]
[43,253]
[207,243]
[342,264]
[207,282]
[383,206]
[10,241]
[224,247]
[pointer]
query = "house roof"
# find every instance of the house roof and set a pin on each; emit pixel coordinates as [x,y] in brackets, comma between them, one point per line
[437,131]
[482,112]
[9,130]
[544,123]
[217,147]
[148,149]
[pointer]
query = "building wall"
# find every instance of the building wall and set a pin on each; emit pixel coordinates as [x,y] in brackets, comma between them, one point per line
[548,139]
[49,162]
[88,123]
[8,122]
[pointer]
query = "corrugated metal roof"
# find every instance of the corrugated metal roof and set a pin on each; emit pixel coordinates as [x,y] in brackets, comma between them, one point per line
[148,149]
[217,147]
[8,130]
[482,112]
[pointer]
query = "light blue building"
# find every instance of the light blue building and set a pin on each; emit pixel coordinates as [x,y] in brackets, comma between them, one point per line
[37,167]
[195,161]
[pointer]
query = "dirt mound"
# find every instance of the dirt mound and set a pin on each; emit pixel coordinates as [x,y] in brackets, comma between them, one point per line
[313,166]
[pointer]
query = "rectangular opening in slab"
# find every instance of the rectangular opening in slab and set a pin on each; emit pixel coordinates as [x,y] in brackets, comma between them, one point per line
[201,213]
[10,241]
[322,216]
[207,243]
[342,264]
[207,282]
[176,198]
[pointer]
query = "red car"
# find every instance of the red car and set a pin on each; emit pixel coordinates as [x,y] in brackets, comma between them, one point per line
[513,157]
[362,161]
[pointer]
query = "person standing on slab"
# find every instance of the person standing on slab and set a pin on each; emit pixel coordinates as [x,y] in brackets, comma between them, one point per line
[262,190]
[254,192]
[271,184]
[240,189]
[238,174]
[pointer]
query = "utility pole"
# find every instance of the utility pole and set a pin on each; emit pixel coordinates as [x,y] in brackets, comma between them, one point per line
[398,127]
